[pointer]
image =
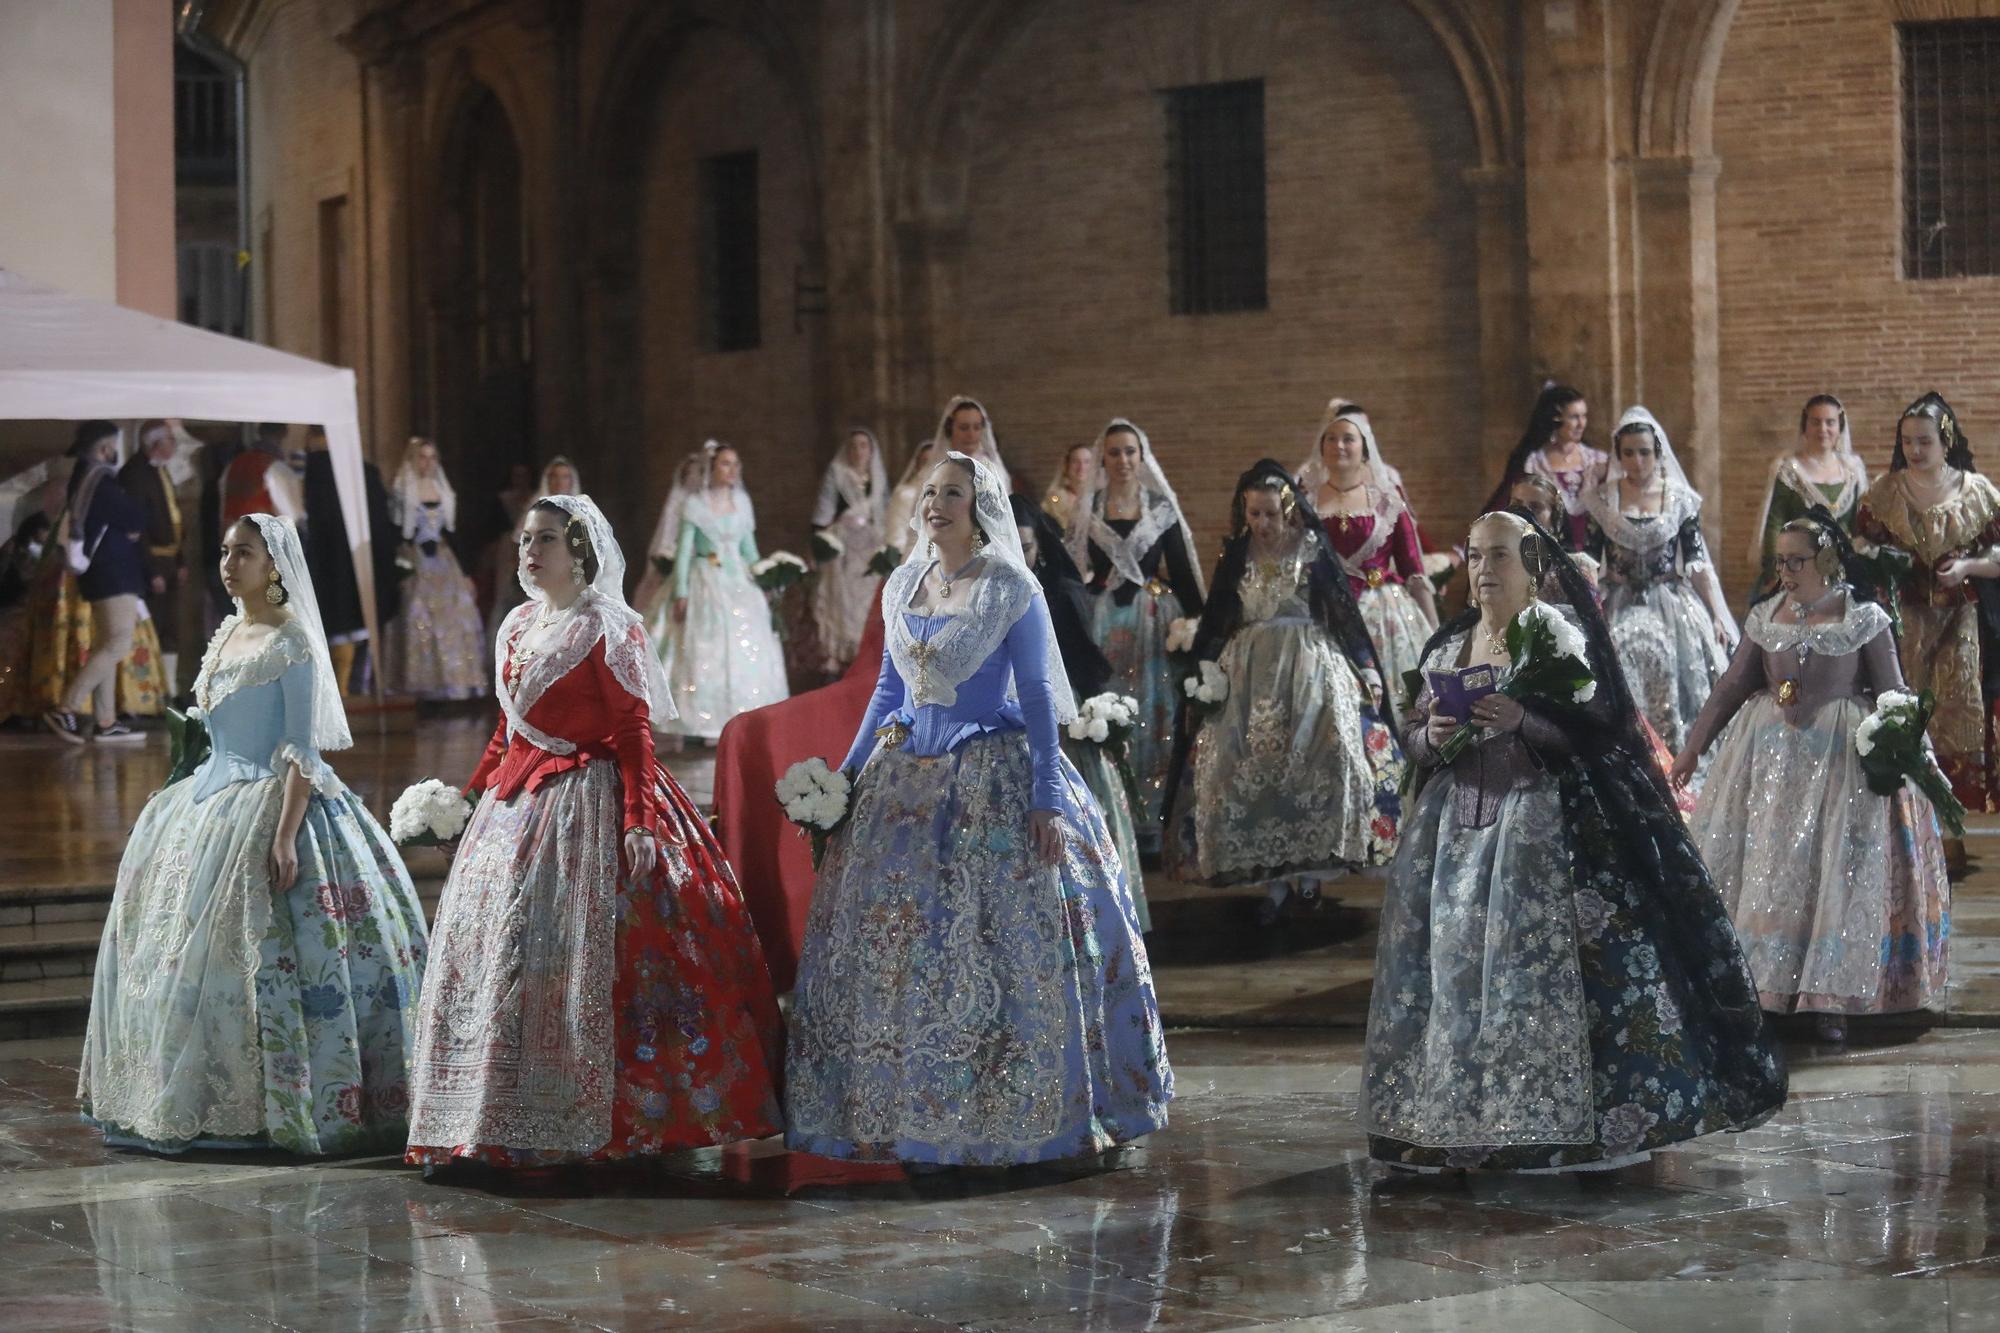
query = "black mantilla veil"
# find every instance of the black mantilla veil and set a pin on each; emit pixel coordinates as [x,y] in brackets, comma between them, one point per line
[1629,845]
[1543,419]
[1328,597]
[1089,670]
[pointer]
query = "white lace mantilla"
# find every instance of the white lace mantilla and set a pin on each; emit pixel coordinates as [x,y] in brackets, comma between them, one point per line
[934,670]
[1852,632]
[1157,514]
[583,625]
[1679,506]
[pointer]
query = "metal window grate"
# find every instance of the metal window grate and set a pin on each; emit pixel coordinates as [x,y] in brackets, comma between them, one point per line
[1215,198]
[1951,148]
[729,289]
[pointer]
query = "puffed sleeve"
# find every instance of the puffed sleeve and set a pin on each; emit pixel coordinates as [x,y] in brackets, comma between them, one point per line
[631,740]
[295,743]
[1029,644]
[887,698]
[684,557]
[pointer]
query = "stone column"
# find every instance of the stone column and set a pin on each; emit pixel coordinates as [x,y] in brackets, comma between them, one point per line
[391,94]
[857,105]
[1505,379]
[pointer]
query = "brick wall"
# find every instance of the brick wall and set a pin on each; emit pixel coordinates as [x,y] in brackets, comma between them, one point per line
[1372,282]
[1808,220]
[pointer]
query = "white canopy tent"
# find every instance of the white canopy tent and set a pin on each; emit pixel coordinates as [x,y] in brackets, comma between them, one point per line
[68,358]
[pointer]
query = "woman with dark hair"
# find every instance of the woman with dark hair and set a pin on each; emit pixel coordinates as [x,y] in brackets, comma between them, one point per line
[1135,547]
[596,990]
[1662,598]
[973,989]
[1840,896]
[1552,446]
[1557,984]
[1292,780]
[1936,505]
[1820,469]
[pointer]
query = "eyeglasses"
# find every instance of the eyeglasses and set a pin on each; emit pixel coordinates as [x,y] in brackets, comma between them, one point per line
[1792,564]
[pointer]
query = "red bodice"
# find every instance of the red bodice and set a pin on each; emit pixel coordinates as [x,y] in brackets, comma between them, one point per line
[1395,560]
[604,720]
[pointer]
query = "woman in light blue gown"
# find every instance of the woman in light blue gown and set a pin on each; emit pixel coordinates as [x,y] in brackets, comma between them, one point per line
[259,969]
[972,989]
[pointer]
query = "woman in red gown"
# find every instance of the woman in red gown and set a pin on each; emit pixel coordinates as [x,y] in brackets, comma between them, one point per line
[596,989]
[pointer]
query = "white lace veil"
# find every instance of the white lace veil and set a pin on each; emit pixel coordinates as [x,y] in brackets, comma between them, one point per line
[407,482]
[1083,524]
[639,671]
[995,516]
[281,539]
[989,444]
[1311,474]
[690,481]
[867,489]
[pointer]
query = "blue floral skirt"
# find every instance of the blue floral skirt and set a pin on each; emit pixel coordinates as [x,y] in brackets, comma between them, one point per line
[225,1015]
[959,1002]
[1134,640]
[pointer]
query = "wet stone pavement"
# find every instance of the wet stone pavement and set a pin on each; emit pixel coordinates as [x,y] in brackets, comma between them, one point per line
[1867,1204]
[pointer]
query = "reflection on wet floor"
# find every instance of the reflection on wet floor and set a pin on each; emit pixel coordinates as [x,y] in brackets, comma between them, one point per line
[1256,1207]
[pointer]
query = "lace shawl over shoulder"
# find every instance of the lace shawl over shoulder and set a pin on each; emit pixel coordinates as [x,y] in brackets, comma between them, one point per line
[625,652]
[217,679]
[933,671]
[1852,632]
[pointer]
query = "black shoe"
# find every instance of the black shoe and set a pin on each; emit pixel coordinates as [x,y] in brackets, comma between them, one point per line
[63,725]
[118,734]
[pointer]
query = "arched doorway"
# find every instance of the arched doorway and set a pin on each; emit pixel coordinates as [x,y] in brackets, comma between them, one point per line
[482,407]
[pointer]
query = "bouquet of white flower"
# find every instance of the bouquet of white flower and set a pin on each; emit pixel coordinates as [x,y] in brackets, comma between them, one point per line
[428,814]
[827,547]
[1550,661]
[815,798]
[1209,688]
[885,561]
[1180,634]
[1107,721]
[778,571]
[1893,747]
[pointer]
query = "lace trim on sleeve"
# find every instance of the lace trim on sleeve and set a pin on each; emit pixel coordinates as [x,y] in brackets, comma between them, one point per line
[312,768]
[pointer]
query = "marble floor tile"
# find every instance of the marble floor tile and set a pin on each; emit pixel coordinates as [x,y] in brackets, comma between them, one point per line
[1533,1307]
[1863,1306]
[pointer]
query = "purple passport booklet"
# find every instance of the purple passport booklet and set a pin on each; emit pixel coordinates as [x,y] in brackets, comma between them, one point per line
[1453,692]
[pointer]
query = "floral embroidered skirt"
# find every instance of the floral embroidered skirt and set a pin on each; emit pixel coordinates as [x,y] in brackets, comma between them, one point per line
[575,1014]
[723,658]
[1398,629]
[1941,653]
[958,1001]
[45,641]
[1294,774]
[1134,640]
[1840,896]
[223,1015]
[1114,800]
[1665,641]
[1558,989]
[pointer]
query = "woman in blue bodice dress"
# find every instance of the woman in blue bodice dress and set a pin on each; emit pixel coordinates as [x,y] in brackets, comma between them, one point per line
[972,989]
[259,969]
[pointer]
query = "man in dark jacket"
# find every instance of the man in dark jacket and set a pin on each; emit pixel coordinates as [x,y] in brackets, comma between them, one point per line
[146,480]
[109,530]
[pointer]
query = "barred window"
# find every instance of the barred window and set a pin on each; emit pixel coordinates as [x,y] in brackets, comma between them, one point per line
[729,252]
[1951,148]
[1215,198]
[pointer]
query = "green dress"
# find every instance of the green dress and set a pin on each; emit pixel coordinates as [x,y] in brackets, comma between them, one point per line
[1790,495]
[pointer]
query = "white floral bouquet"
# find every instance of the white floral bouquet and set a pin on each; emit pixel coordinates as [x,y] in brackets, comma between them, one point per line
[1208,687]
[1893,747]
[1180,634]
[428,814]
[1550,660]
[1107,721]
[884,562]
[826,546]
[778,571]
[815,798]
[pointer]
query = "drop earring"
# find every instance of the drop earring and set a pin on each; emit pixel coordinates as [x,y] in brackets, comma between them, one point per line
[274,590]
